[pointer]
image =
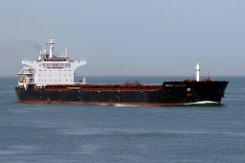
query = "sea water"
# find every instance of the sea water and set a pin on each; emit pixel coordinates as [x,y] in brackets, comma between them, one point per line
[122,134]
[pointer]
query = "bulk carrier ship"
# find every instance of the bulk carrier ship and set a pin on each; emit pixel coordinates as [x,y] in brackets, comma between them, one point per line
[50,79]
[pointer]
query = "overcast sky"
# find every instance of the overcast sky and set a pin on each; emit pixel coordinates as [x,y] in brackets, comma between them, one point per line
[128,37]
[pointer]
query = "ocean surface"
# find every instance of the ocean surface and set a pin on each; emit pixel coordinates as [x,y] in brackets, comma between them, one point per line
[122,134]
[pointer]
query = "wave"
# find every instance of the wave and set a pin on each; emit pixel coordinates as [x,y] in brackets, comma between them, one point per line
[7,91]
[142,133]
[234,99]
[202,103]
[118,105]
[125,105]
[237,90]
[18,149]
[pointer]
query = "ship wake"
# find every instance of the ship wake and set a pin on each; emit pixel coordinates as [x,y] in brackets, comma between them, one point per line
[202,103]
[125,105]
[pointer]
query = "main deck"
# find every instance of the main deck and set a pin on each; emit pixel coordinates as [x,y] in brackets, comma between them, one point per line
[97,87]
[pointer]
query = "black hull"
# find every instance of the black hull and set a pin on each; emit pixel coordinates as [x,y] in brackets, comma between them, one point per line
[170,93]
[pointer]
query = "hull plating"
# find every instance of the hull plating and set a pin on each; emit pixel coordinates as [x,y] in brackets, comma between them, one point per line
[167,94]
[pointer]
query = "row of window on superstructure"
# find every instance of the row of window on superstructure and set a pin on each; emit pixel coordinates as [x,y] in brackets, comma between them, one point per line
[44,80]
[51,75]
[59,70]
[55,64]
[55,59]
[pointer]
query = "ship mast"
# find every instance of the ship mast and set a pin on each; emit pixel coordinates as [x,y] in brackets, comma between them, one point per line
[51,43]
[198,69]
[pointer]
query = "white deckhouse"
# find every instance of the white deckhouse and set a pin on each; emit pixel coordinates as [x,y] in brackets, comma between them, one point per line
[49,69]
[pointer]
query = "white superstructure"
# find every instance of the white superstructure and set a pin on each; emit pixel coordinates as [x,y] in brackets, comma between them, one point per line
[49,69]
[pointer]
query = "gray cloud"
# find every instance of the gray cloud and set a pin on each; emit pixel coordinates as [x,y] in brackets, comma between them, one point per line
[31,44]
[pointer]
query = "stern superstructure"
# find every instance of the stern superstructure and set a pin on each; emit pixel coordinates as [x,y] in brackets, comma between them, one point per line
[49,68]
